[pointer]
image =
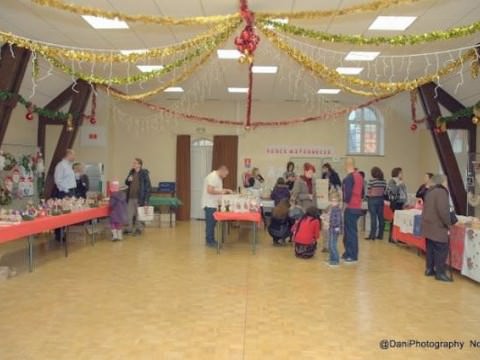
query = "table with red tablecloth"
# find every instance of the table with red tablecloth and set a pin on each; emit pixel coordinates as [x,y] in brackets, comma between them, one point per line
[457,238]
[42,224]
[224,217]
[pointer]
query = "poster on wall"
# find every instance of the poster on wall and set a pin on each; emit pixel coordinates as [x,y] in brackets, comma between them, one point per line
[314,151]
[93,136]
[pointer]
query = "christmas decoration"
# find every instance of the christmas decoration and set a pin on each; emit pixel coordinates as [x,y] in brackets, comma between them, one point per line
[413,127]
[29,116]
[70,122]
[475,120]
[93,111]
[247,42]
[399,40]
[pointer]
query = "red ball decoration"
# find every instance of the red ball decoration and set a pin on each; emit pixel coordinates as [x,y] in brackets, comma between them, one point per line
[413,127]
[245,35]
[251,47]
[93,120]
[437,130]
[29,116]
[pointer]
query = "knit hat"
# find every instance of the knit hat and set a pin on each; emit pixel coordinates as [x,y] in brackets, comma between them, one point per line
[307,167]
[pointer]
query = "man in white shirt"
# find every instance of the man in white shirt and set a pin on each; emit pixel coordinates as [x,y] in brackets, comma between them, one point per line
[212,195]
[65,176]
[65,182]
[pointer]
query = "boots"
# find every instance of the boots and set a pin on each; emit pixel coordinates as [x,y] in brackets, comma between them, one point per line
[117,234]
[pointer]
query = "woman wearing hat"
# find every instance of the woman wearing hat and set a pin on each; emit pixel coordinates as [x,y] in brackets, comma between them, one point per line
[304,192]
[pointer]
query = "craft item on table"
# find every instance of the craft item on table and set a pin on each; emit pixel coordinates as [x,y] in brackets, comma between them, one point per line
[404,220]
[16,175]
[9,161]
[8,184]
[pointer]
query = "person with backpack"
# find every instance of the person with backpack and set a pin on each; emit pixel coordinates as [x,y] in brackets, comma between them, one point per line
[280,223]
[397,190]
[306,233]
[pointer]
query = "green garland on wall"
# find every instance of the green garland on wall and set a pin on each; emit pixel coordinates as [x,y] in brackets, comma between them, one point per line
[31,108]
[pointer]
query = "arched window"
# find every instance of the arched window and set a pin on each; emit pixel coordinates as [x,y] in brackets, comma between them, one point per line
[365,132]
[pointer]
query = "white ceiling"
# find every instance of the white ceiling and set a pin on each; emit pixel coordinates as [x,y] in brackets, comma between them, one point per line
[291,83]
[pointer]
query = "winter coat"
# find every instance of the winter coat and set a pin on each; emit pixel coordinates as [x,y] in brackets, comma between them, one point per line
[145,186]
[118,208]
[279,193]
[436,219]
[82,187]
[301,196]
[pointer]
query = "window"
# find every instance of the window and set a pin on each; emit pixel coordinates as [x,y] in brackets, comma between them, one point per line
[365,132]
[202,142]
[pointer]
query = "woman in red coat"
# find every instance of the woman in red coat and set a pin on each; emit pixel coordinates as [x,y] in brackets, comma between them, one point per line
[306,233]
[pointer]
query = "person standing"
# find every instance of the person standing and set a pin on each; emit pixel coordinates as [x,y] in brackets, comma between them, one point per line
[333,179]
[304,192]
[436,222]
[65,183]
[82,181]
[211,197]
[138,195]
[353,192]
[376,199]
[290,175]
[422,190]
[335,222]
[397,190]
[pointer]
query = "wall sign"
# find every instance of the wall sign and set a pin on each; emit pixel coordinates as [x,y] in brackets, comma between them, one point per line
[313,151]
[94,136]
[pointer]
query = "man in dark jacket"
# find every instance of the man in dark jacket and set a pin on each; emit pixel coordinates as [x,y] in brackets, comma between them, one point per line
[436,222]
[138,194]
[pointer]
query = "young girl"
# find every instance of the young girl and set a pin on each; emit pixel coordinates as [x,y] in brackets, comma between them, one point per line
[280,191]
[335,222]
[306,232]
[118,213]
[280,223]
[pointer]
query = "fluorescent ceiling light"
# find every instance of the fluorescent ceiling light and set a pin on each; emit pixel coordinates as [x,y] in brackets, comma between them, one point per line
[256,69]
[328,91]
[228,54]
[137,51]
[149,68]
[362,55]
[237,90]
[349,70]
[104,23]
[395,23]
[280,21]
[174,89]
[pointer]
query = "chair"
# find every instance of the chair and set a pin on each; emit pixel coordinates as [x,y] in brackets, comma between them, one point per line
[388,216]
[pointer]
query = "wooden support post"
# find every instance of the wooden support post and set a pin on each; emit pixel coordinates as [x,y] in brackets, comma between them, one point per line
[13,63]
[79,100]
[442,142]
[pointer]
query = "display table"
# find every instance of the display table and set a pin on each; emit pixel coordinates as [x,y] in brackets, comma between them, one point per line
[403,228]
[224,217]
[30,228]
[471,255]
[172,202]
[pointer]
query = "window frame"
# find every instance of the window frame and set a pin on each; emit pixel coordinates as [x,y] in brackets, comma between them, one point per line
[380,132]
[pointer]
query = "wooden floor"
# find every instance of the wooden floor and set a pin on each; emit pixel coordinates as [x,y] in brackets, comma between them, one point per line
[166,296]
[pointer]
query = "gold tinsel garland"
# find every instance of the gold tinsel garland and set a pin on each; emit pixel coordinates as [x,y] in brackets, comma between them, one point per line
[398,40]
[204,20]
[208,46]
[175,81]
[146,19]
[113,57]
[349,83]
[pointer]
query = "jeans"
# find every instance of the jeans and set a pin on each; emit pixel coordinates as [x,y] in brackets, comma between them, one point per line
[350,239]
[375,208]
[132,210]
[332,246]
[210,223]
[436,256]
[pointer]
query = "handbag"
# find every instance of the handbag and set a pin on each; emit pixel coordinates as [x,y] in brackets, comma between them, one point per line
[145,213]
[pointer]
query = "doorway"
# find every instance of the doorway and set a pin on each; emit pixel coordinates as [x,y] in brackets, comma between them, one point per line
[201,165]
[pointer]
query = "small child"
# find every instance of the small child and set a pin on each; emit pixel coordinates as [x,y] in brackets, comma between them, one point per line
[306,232]
[280,191]
[335,222]
[118,214]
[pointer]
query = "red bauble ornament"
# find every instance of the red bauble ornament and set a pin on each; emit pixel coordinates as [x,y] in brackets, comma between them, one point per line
[251,47]
[245,35]
[413,127]
[93,120]
[29,116]
[437,130]
[238,41]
